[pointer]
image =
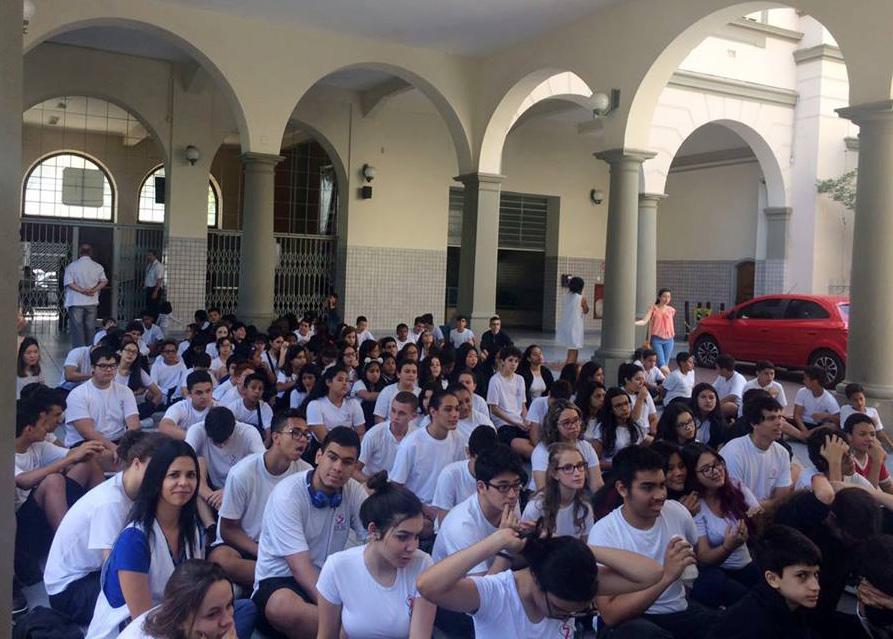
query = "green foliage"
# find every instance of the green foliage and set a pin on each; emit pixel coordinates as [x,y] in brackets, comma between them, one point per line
[840,189]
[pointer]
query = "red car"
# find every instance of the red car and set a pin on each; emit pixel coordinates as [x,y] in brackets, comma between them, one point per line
[791,331]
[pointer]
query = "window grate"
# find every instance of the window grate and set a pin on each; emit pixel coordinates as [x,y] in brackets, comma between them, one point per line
[522,221]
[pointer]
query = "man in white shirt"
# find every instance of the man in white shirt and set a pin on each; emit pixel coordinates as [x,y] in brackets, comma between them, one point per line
[219,442]
[307,518]
[855,395]
[681,381]
[729,385]
[407,375]
[192,410]
[167,370]
[250,408]
[424,453]
[401,334]
[363,332]
[83,280]
[153,336]
[153,281]
[757,460]
[461,334]
[507,400]
[248,487]
[457,481]
[381,441]
[663,530]
[765,380]
[77,368]
[101,409]
[813,405]
[469,419]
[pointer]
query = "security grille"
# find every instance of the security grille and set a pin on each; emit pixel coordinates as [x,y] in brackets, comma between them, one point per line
[522,221]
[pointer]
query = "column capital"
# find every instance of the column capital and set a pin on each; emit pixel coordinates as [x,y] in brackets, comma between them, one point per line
[614,156]
[480,179]
[651,197]
[782,213]
[251,157]
[868,112]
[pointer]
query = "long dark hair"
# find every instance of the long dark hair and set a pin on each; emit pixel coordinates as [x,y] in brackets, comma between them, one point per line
[321,389]
[20,361]
[609,421]
[583,400]
[290,353]
[146,502]
[718,424]
[666,426]
[551,494]
[140,364]
[562,566]
[183,596]
[731,499]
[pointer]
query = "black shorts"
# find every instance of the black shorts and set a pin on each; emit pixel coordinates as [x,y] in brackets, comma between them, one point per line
[507,433]
[78,600]
[265,590]
[244,555]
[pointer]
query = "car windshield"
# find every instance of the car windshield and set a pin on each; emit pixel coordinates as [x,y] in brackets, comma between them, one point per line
[845,312]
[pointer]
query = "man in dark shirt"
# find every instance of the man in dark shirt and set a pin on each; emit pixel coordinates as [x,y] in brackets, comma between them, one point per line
[493,341]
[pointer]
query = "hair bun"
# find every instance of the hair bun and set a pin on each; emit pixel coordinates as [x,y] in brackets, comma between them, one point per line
[378,482]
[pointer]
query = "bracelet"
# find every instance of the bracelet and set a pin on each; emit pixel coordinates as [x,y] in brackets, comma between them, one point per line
[504,555]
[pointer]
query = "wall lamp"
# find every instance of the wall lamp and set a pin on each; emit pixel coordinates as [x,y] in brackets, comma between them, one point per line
[368,172]
[597,196]
[28,11]
[192,154]
[604,103]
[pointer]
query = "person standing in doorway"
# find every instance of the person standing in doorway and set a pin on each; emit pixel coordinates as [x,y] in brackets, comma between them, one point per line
[154,281]
[659,320]
[83,280]
[573,309]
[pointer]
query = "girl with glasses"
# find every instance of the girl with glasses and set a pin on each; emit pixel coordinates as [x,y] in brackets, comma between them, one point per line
[677,424]
[616,428]
[132,372]
[564,424]
[723,522]
[560,509]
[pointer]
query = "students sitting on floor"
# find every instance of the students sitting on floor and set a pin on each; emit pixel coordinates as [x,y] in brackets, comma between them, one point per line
[729,385]
[813,404]
[251,408]
[167,370]
[856,403]
[868,454]
[680,382]
[381,441]
[457,481]
[192,410]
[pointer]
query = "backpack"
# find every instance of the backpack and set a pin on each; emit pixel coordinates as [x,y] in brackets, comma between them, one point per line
[44,623]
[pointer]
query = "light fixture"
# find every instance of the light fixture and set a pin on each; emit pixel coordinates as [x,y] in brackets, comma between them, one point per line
[28,11]
[597,196]
[192,154]
[368,172]
[603,103]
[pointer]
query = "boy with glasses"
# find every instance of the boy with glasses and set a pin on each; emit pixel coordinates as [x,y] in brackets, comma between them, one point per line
[248,487]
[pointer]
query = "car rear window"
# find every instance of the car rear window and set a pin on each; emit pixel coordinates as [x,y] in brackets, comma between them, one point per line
[805,310]
[844,311]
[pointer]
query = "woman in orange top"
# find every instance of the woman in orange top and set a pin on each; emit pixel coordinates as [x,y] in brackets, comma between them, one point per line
[659,319]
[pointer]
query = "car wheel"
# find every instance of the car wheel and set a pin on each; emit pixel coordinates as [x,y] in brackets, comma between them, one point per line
[831,363]
[706,351]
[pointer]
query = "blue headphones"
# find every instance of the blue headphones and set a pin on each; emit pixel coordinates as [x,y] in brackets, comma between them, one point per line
[320,499]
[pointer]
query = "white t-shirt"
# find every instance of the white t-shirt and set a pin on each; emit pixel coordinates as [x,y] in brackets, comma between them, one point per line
[564,521]
[537,386]
[249,415]
[760,470]
[824,403]
[455,485]
[508,394]
[383,401]
[380,448]
[648,409]
[226,393]
[38,455]
[244,441]
[846,410]
[323,411]
[613,531]
[539,458]
[464,526]
[538,409]
[678,385]
[152,334]
[804,480]
[297,398]
[365,336]
[291,524]
[107,407]
[732,386]
[501,613]
[247,489]
[421,458]
[653,375]
[80,358]
[465,427]
[90,526]
[458,338]
[86,274]
[184,414]
[622,438]
[145,379]
[368,609]
[774,388]
[713,527]
[167,376]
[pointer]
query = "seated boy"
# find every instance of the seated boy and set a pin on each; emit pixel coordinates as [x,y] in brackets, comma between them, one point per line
[729,385]
[681,381]
[868,454]
[855,395]
[830,455]
[180,416]
[776,607]
[813,404]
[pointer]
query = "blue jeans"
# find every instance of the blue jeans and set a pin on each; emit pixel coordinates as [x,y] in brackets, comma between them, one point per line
[663,348]
[82,324]
[244,616]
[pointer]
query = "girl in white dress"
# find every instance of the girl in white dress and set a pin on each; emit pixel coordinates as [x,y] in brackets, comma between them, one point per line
[574,308]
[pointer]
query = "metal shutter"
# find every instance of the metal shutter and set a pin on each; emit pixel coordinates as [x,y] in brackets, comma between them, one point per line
[522,221]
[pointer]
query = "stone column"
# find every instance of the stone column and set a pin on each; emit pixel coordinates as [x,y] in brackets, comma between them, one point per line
[480,244]
[646,258]
[258,267]
[770,276]
[870,348]
[10,206]
[618,328]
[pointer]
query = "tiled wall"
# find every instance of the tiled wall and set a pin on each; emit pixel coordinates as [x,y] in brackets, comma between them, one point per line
[697,281]
[186,261]
[769,277]
[592,272]
[390,285]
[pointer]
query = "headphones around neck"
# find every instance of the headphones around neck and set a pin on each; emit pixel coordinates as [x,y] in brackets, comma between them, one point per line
[320,499]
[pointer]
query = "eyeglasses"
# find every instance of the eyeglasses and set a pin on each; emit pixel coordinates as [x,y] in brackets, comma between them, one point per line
[106,367]
[297,433]
[132,351]
[507,488]
[715,467]
[560,614]
[570,469]
[690,422]
[569,423]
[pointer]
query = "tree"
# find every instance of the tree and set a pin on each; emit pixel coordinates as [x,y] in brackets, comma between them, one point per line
[840,189]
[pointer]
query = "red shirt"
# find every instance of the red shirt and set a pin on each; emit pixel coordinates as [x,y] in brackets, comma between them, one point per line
[865,470]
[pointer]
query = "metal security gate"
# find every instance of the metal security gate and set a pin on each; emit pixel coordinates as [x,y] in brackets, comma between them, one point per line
[305,271]
[48,246]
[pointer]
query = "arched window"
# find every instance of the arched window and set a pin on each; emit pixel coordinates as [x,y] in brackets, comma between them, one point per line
[151,202]
[68,185]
